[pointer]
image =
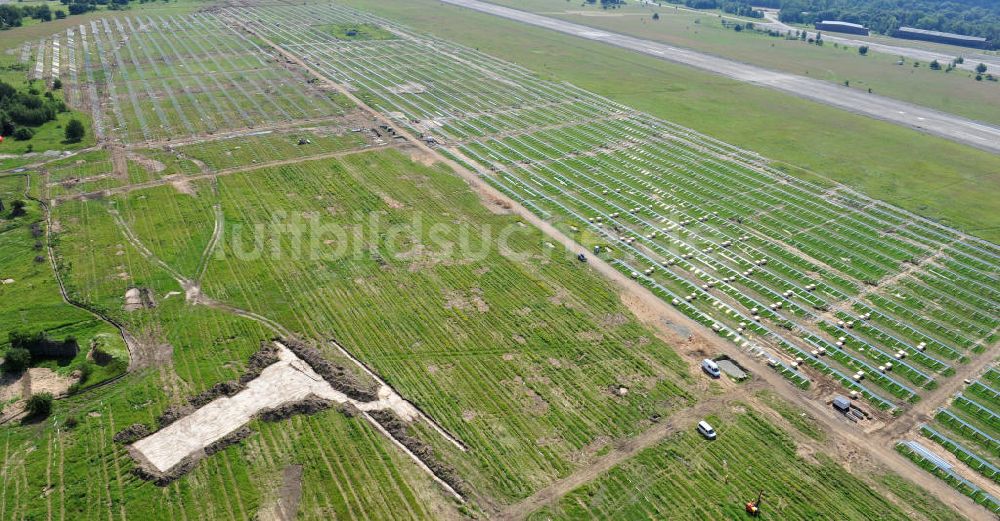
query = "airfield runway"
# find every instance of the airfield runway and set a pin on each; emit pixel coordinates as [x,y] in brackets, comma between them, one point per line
[955,128]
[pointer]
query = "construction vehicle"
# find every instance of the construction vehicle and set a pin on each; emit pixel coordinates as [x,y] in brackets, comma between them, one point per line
[753,507]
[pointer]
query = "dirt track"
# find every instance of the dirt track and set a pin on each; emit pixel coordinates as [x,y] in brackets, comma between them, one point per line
[226,171]
[955,128]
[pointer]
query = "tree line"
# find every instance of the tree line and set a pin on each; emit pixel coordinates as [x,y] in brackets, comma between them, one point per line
[13,15]
[20,110]
[969,17]
[736,7]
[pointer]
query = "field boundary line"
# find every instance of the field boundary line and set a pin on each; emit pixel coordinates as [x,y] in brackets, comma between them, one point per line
[226,171]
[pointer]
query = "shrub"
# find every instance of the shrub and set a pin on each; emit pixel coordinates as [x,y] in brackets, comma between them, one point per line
[23,134]
[39,405]
[16,360]
[17,208]
[86,369]
[75,131]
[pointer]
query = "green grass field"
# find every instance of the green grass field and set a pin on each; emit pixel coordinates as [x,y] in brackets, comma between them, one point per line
[529,331]
[32,301]
[952,183]
[517,355]
[688,477]
[48,136]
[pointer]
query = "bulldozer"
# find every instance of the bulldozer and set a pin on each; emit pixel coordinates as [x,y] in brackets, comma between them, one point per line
[753,507]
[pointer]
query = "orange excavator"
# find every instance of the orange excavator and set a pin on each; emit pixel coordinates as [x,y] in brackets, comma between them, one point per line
[753,507]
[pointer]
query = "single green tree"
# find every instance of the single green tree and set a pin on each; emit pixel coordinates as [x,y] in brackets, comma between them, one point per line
[981,68]
[23,133]
[17,208]
[75,131]
[16,360]
[56,84]
[863,50]
[935,65]
[656,16]
[39,405]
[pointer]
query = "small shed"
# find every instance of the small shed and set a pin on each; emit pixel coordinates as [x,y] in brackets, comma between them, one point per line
[842,403]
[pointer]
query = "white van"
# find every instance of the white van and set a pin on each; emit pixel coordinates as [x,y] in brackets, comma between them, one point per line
[711,368]
[706,430]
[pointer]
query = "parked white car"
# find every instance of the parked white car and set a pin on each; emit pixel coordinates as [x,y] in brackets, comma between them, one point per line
[710,367]
[706,430]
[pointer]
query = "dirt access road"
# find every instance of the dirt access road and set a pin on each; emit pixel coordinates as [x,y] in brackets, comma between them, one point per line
[659,314]
[955,128]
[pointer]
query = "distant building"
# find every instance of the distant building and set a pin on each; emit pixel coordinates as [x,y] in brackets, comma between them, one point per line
[910,33]
[836,26]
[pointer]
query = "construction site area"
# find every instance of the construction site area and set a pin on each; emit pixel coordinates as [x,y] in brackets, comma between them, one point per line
[354,270]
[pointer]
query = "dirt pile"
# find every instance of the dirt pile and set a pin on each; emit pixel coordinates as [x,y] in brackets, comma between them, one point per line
[227,388]
[230,439]
[336,375]
[312,404]
[132,433]
[265,356]
[174,413]
[162,479]
[139,298]
[399,430]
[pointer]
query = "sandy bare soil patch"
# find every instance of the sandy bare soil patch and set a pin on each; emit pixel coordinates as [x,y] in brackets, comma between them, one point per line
[422,157]
[10,387]
[286,505]
[392,203]
[183,186]
[408,88]
[138,298]
[287,381]
[148,163]
[14,389]
[44,380]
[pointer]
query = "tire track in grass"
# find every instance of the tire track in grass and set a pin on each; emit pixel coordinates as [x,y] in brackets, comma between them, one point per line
[48,477]
[306,427]
[213,243]
[119,479]
[62,476]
